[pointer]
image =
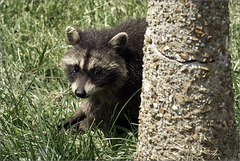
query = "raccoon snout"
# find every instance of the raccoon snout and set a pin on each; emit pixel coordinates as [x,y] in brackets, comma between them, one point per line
[80,93]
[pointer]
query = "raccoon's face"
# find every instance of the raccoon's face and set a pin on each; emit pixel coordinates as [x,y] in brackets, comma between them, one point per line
[93,70]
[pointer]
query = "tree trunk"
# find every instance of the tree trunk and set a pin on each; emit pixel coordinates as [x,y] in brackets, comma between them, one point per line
[187,108]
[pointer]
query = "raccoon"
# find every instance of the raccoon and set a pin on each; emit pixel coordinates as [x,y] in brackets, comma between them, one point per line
[105,68]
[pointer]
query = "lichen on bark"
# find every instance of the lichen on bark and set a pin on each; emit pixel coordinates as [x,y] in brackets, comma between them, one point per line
[187,108]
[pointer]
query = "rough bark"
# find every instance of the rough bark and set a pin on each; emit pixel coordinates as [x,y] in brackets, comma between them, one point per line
[187,108]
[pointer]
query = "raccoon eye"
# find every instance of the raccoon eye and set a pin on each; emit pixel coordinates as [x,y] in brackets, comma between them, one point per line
[96,72]
[76,69]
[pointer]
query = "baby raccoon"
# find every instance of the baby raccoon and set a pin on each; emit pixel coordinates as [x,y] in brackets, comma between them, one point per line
[105,68]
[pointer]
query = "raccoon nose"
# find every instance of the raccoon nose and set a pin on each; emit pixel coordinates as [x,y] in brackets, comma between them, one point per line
[80,92]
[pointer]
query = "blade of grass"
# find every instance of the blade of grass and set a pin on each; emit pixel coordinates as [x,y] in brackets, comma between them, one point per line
[25,92]
[123,108]
[235,83]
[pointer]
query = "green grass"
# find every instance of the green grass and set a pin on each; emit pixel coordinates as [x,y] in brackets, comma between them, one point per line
[35,95]
[234,48]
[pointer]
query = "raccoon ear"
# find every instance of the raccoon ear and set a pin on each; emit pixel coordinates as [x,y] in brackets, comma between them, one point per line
[119,41]
[72,35]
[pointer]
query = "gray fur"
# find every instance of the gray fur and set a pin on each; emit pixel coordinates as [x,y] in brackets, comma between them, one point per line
[105,68]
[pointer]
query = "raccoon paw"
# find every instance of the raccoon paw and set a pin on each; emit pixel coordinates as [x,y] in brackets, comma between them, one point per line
[79,127]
